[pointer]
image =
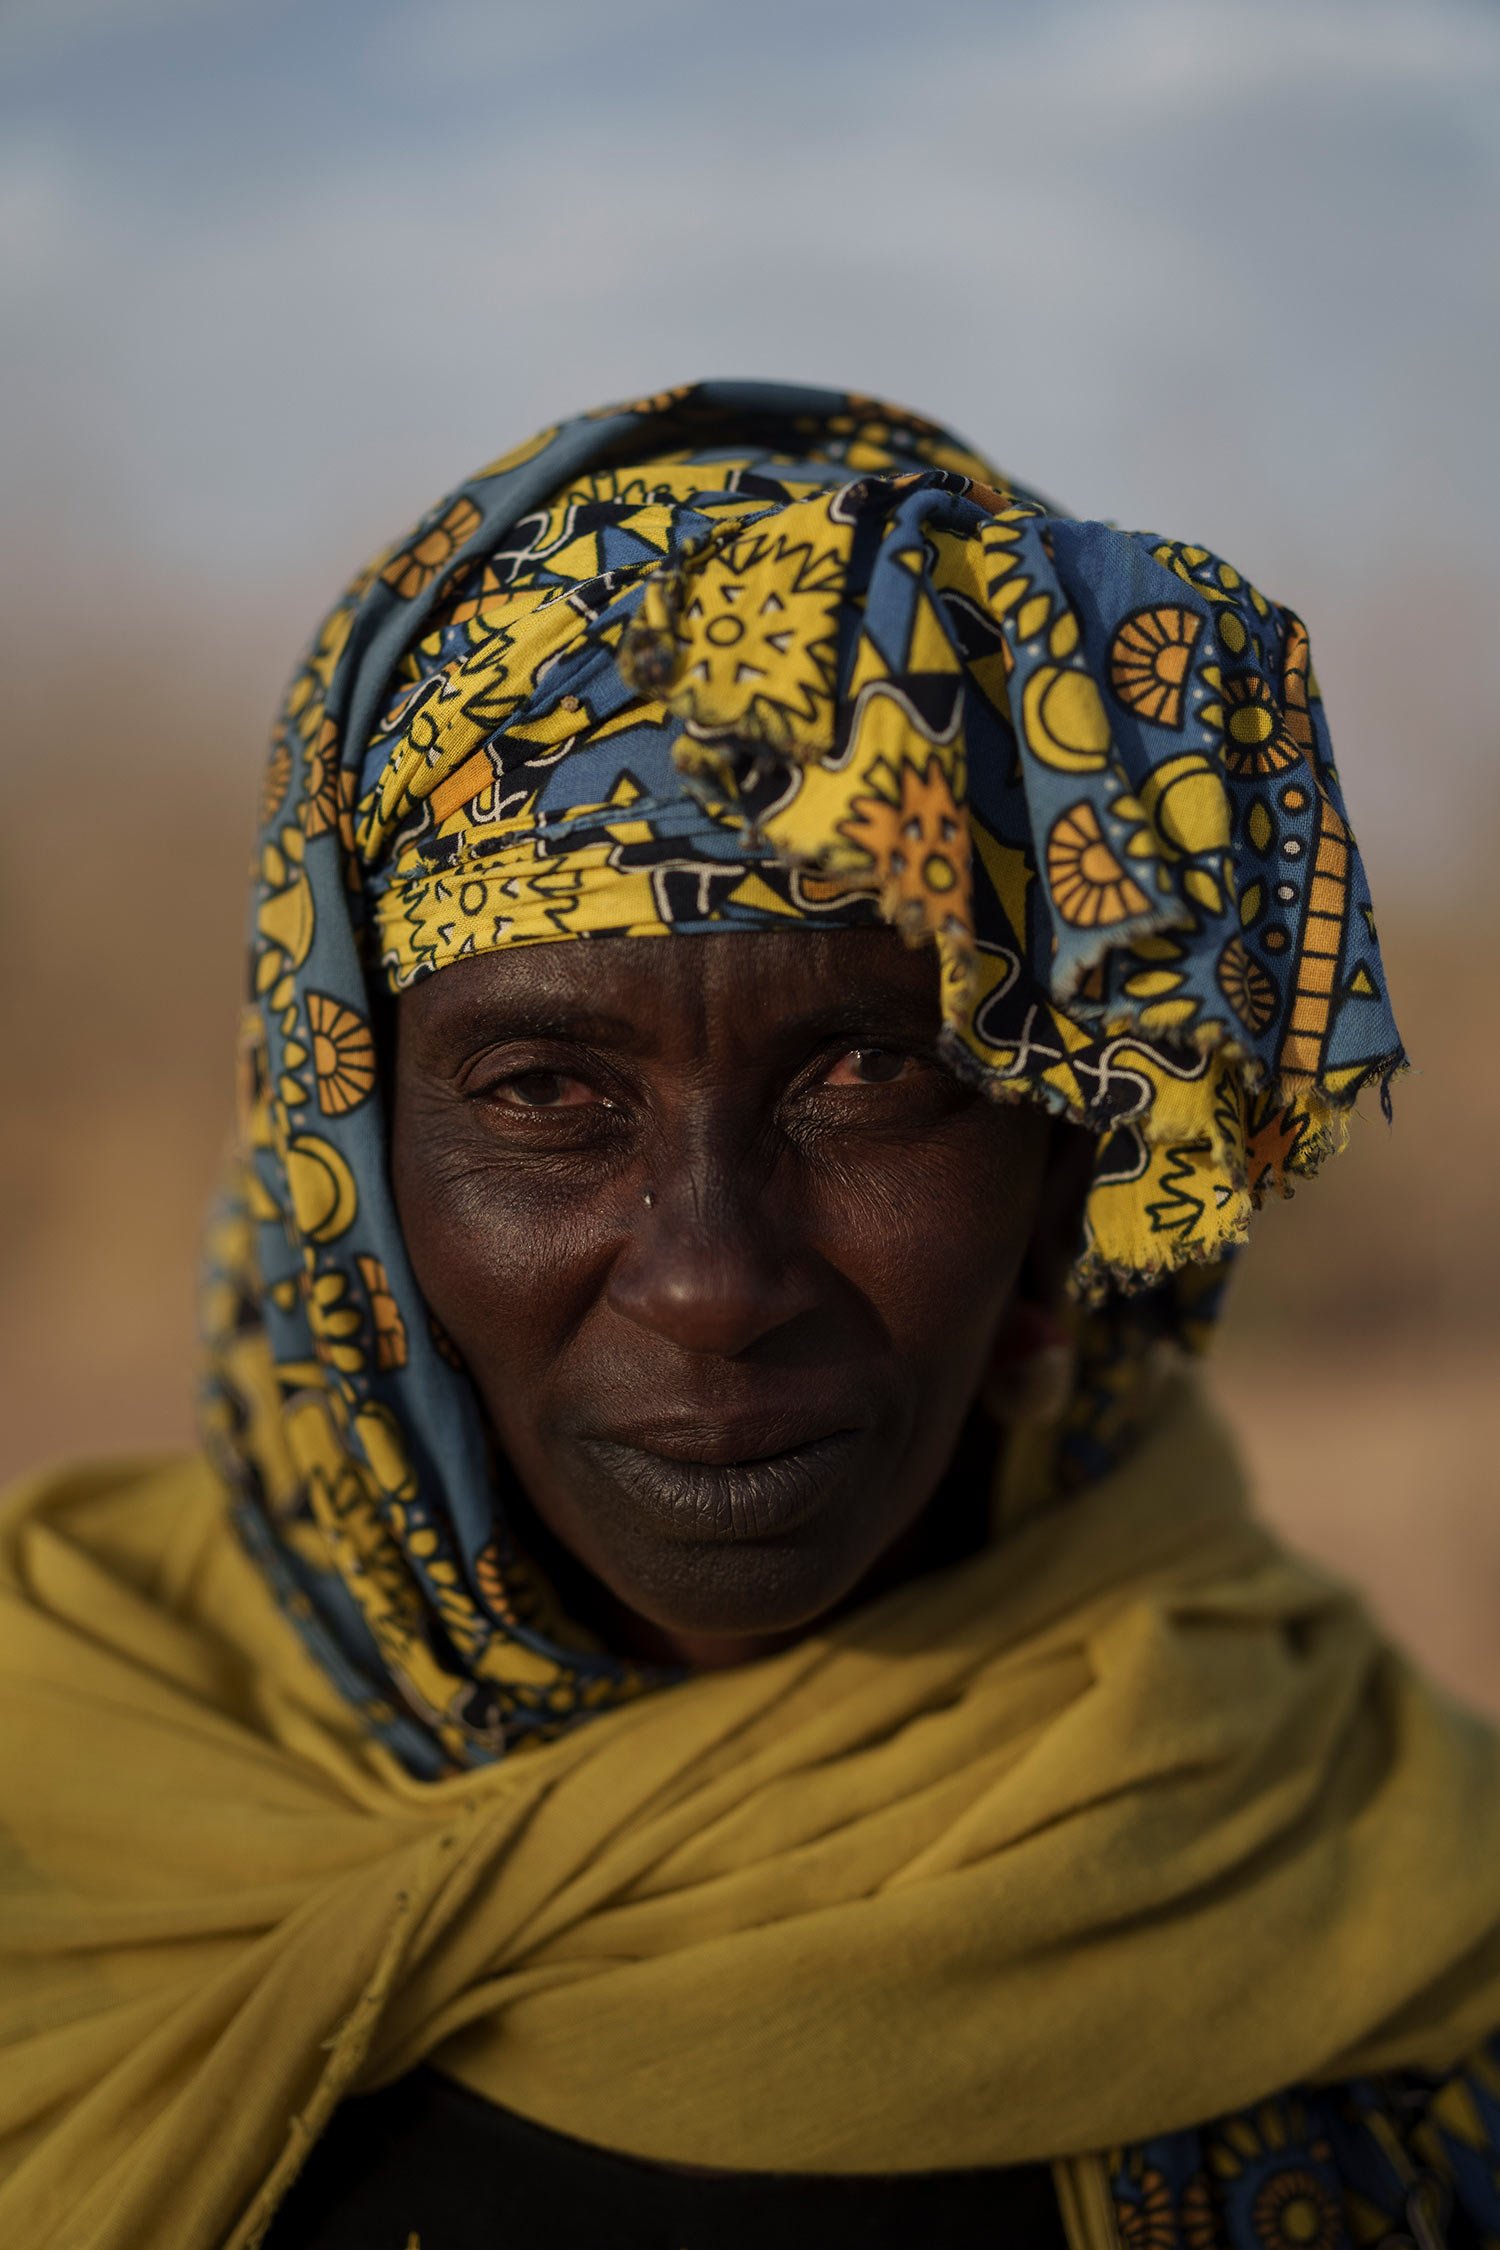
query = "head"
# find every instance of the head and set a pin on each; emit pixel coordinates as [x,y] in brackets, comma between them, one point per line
[730,1254]
[670,1243]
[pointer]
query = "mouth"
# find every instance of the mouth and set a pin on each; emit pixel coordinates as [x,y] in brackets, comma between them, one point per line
[756,1496]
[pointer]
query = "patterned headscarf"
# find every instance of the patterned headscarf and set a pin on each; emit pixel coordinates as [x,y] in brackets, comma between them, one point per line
[737,657]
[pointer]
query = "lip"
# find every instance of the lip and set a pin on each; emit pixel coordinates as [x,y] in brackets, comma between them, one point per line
[744,1498]
[727,1440]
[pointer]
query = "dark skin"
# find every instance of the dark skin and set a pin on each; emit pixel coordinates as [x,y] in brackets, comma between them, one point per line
[729,1255]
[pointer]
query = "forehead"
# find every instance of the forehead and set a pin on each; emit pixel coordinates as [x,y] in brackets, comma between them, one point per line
[754,983]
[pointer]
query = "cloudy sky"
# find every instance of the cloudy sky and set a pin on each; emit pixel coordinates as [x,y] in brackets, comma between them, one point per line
[273,275]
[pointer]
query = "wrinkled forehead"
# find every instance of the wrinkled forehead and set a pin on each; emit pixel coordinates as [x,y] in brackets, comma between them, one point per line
[745,997]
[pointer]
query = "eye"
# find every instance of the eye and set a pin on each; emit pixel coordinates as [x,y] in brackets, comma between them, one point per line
[870,1066]
[544,1089]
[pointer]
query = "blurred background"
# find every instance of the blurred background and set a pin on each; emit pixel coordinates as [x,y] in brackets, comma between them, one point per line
[272,277]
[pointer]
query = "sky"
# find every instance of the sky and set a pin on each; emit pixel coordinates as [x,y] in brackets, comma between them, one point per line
[272,276]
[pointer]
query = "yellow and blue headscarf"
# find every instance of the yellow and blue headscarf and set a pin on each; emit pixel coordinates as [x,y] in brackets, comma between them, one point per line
[733,657]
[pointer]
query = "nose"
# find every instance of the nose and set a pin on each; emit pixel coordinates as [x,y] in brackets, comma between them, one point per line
[710,1266]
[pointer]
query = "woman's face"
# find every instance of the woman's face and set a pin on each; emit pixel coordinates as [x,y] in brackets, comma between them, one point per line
[724,1247]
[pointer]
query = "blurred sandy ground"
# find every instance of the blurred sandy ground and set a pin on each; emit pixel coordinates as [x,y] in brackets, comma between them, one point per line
[1359,1359]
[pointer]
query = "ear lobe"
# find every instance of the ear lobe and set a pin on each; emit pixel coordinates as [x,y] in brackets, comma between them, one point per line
[1033,1365]
[1057,1237]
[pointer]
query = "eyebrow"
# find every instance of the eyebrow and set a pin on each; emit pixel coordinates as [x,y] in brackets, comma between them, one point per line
[496,1020]
[864,1015]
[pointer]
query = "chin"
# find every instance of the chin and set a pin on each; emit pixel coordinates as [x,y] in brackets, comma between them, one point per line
[745,1591]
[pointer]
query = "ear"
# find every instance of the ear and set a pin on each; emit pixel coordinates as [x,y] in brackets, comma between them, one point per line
[1033,1361]
[1057,1237]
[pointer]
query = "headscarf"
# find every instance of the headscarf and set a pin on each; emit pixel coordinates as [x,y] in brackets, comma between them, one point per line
[736,657]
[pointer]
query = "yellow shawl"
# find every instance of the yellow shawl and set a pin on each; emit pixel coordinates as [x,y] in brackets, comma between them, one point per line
[1122,1826]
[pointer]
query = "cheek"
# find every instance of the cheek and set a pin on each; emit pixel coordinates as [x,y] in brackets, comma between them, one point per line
[507,1256]
[935,1234]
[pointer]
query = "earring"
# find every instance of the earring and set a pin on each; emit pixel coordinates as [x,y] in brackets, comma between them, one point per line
[1033,1368]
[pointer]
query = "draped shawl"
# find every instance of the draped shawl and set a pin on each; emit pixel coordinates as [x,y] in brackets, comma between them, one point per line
[1129,1823]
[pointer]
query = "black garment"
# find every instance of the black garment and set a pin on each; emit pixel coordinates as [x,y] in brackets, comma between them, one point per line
[427,2159]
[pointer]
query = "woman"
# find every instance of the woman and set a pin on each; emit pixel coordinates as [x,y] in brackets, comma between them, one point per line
[733,1685]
